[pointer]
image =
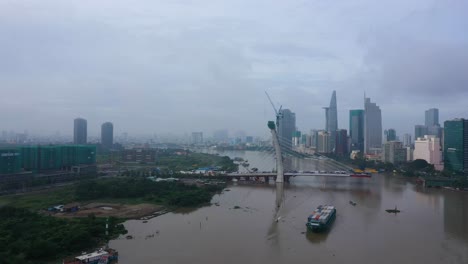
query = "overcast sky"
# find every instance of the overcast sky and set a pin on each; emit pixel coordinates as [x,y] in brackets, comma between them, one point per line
[182,66]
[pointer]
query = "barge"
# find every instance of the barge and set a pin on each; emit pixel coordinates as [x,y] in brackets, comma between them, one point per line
[322,218]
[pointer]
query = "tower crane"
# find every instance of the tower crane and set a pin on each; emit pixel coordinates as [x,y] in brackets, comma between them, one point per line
[278,113]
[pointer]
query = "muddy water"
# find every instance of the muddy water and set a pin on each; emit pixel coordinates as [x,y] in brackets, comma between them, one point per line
[431,228]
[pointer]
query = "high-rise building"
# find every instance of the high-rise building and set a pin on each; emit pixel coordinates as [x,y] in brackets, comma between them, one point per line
[287,127]
[372,127]
[420,131]
[456,145]
[331,120]
[356,129]
[390,135]
[296,140]
[407,140]
[197,138]
[107,135]
[435,130]
[313,138]
[341,142]
[323,143]
[432,117]
[394,152]
[80,131]
[428,149]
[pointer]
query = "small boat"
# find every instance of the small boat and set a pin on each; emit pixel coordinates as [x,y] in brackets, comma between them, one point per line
[352,203]
[394,211]
[100,256]
[321,218]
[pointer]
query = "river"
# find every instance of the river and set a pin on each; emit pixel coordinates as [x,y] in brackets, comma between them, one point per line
[431,228]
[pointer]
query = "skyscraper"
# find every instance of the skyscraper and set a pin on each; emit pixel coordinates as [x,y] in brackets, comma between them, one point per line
[420,131]
[372,127]
[80,131]
[107,134]
[432,117]
[287,127]
[341,142]
[356,129]
[456,145]
[406,140]
[391,134]
[331,120]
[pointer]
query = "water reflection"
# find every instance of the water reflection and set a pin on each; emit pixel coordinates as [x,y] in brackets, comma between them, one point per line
[456,215]
[320,237]
[365,233]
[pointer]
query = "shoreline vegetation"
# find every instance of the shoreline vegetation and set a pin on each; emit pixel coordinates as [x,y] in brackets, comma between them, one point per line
[30,233]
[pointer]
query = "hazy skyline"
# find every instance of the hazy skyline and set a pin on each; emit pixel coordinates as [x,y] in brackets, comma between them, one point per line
[162,66]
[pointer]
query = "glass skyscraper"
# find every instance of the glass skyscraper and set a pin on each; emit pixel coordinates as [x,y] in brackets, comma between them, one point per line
[372,127]
[287,127]
[80,131]
[456,145]
[331,120]
[356,129]
[107,134]
[432,117]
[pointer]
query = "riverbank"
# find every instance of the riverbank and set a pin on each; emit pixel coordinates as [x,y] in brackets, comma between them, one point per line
[130,197]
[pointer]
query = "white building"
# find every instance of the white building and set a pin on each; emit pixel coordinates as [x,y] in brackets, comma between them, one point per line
[428,149]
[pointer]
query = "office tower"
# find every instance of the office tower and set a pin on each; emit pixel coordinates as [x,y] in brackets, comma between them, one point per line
[420,131]
[356,129]
[80,131]
[394,152]
[287,127]
[432,117]
[107,135]
[428,149]
[197,138]
[341,142]
[331,120]
[323,143]
[372,127]
[390,134]
[313,138]
[406,140]
[456,145]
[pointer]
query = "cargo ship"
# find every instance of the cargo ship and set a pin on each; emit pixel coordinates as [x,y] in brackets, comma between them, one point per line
[321,218]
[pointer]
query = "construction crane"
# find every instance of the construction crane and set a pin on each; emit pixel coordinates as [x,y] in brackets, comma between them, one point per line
[278,113]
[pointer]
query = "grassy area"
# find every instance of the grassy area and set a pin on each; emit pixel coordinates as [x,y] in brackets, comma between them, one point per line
[40,200]
[116,190]
[194,160]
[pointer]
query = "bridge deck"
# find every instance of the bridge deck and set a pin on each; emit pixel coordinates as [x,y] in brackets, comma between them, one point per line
[271,174]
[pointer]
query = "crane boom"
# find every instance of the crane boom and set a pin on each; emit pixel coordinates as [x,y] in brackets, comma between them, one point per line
[272,104]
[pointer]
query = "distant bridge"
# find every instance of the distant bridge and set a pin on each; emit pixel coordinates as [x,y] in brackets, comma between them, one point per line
[267,175]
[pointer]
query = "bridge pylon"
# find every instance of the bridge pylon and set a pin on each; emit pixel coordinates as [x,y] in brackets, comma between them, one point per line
[279,156]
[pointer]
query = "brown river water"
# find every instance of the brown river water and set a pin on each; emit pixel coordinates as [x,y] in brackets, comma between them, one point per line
[431,228]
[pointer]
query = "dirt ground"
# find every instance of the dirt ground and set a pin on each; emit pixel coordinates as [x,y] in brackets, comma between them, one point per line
[116,210]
